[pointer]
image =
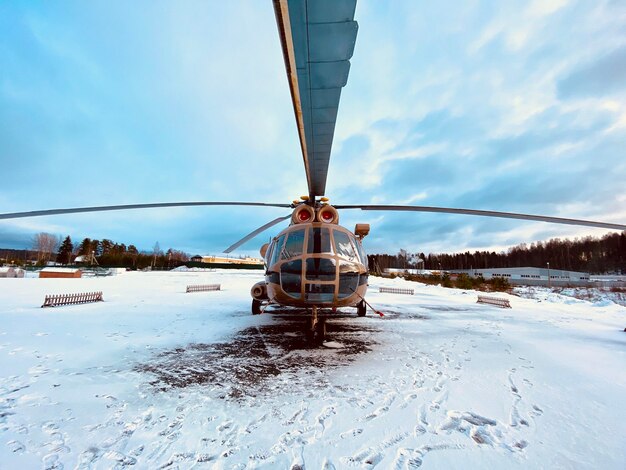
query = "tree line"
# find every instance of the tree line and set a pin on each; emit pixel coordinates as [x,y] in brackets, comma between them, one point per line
[606,254]
[103,252]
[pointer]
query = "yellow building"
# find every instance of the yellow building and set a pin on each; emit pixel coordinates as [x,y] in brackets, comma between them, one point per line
[225,260]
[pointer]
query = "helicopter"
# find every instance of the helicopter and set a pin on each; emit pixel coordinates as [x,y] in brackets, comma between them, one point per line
[315,263]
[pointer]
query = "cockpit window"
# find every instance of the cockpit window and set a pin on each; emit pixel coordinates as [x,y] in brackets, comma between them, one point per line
[321,269]
[291,277]
[319,240]
[293,245]
[277,249]
[362,254]
[268,253]
[344,246]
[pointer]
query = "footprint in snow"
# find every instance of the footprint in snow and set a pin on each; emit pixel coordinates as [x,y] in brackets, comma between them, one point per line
[297,462]
[16,446]
[386,404]
[51,462]
[407,399]
[440,383]
[418,430]
[252,425]
[328,465]
[224,426]
[297,416]
[439,400]
[372,456]
[351,433]
[376,413]
[88,457]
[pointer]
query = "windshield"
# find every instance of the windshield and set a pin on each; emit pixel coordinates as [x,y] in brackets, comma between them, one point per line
[268,253]
[320,269]
[277,249]
[319,241]
[344,246]
[361,250]
[293,245]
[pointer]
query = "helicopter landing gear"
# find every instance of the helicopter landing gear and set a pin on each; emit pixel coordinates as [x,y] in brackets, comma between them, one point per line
[316,330]
[256,307]
[361,308]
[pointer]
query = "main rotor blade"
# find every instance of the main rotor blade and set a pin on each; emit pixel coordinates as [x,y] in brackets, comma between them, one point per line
[77,210]
[317,40]
[504,215]
[251,235]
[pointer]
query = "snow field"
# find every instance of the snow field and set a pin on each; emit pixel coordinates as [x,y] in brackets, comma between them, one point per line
[156,378]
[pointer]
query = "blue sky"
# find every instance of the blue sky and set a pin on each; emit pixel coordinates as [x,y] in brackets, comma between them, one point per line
[511,106]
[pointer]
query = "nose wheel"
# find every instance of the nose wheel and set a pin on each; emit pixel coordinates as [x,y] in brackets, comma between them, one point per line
[316,328]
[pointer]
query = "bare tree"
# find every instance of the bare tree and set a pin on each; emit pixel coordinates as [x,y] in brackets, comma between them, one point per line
[156,251]
[403,258]
[45,244]
[176,256]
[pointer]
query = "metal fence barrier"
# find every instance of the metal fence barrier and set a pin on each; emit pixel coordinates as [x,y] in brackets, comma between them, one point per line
[203,287]
[484,299]
[395,290]
[69,299]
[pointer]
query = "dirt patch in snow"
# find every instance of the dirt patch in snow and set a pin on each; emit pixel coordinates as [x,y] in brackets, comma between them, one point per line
[258,360]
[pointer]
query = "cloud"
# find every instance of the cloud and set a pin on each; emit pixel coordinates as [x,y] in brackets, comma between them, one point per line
[449,105]
[603,76]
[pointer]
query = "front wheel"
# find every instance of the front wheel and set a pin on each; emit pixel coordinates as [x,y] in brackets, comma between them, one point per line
[256,306]
[361,308]
[316,335]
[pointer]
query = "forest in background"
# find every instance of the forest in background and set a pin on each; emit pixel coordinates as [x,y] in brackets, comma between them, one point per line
[47,247]
[593,255]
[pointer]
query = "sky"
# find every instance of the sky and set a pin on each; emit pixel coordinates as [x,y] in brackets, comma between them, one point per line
[515,106]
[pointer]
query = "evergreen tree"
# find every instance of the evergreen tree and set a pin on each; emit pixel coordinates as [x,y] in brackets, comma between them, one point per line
[65,251]
[593,255]
[85,247]
[106,246]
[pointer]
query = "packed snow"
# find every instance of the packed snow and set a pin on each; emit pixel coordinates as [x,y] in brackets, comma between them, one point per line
[156,378]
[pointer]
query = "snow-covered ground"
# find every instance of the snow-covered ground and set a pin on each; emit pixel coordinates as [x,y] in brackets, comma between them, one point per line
[599,296]
[156,378]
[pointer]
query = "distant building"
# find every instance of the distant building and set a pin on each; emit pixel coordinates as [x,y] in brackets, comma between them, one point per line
[196,259]
[47,273]
[402,271]
[530,276]
[225,260]
[88,260]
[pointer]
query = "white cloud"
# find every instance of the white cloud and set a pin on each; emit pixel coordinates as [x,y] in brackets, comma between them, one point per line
[192,102]
[539,8]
